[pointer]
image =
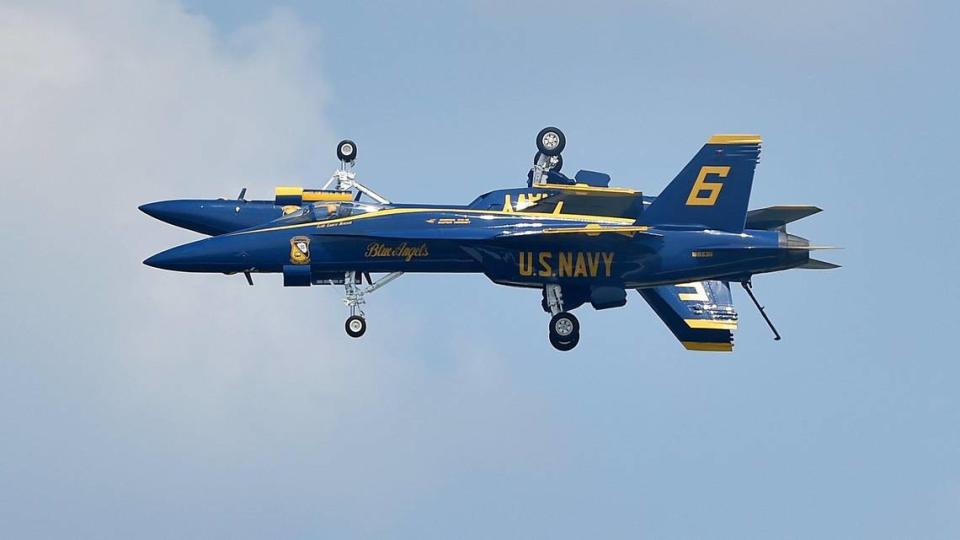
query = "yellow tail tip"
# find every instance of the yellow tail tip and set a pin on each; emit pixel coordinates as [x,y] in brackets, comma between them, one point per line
[724,138]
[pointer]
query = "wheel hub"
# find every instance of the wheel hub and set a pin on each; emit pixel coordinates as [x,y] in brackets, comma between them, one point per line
[550,140]
[563,327]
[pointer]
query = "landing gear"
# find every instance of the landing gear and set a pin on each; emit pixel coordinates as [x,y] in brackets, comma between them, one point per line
[564,331]
[344,179]
[347,151]
[354,291]
[550,143]
[554,163]
[564,327]
[355,326]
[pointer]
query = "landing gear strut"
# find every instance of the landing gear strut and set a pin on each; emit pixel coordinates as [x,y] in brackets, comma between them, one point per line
[564,327]
[356,324]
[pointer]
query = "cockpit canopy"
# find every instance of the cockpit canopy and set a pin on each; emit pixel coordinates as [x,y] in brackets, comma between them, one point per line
[326,210]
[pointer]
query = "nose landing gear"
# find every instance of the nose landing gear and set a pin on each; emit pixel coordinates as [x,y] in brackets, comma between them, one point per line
[356,324]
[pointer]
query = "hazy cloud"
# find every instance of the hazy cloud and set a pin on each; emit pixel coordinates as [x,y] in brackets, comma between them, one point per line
[135,400]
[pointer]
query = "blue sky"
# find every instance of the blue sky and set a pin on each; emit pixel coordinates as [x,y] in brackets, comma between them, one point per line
[140,403]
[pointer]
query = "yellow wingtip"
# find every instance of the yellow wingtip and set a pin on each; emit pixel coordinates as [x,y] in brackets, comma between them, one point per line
[709,347]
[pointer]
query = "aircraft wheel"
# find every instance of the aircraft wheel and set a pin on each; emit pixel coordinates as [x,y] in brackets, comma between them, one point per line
[555,167]
[550,141]
[347,150]
[565,345]
[564,327]
[355,326]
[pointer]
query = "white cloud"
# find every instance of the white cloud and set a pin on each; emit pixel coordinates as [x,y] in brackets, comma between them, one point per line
[130,391]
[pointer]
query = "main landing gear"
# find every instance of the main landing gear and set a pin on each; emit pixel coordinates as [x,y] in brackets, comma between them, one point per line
[550,143]
[356,324]
[564,327]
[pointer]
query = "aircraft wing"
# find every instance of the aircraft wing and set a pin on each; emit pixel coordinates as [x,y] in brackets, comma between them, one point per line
[700,314]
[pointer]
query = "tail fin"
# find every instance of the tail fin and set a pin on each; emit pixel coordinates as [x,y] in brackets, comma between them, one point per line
[713,190]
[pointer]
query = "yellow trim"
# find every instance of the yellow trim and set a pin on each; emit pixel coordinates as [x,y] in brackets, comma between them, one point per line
[396,211]
[722,138]
[588,187]
[594,229]
[288,191]
[694,199]
[705,346]
[711,324]
[311,196]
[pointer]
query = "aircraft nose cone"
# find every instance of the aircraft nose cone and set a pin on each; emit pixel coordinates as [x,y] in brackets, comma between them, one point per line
[217,254]
[182,258]
[205,217]
[179,213]
[156,261]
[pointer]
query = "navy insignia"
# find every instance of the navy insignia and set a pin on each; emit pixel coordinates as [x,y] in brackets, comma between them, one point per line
[300,250]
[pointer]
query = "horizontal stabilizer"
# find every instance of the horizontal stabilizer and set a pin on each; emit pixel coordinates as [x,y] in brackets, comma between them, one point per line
[814,264]
[775,217]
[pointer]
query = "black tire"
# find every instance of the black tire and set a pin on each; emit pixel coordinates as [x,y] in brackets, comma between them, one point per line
[550,141]
[564,327]
[355,326]
[555,168]
[565,345]
[347,150]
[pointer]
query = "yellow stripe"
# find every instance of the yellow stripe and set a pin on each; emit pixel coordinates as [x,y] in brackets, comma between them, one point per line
[288,191]
[588,187]
[397,211]
[734,139]
[594,230]
[705,346]
[711,324]
[327,196]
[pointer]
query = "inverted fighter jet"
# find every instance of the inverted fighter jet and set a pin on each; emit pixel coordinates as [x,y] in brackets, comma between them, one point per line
[576,239]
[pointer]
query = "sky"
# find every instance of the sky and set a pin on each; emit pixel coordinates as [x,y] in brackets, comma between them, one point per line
[149,404]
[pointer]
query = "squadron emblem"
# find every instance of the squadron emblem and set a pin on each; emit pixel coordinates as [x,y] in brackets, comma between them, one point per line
[300,250]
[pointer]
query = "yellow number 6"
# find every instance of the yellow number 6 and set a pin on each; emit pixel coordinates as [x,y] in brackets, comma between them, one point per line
[694,199]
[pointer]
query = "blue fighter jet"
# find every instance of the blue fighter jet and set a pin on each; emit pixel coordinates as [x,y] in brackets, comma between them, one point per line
[576,239]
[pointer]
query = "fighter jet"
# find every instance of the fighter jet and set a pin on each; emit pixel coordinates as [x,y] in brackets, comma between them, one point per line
[578,240]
